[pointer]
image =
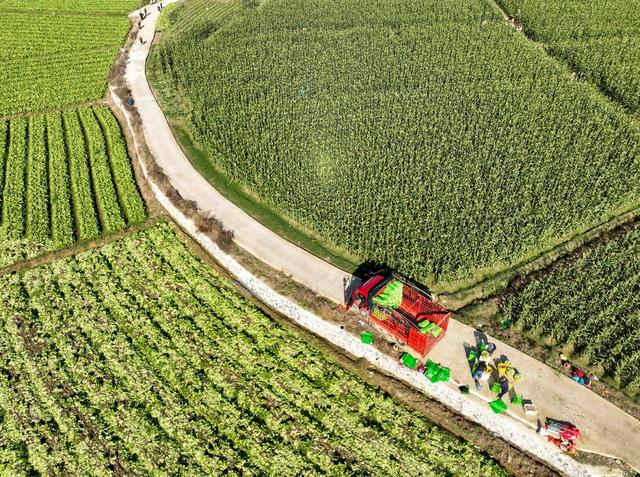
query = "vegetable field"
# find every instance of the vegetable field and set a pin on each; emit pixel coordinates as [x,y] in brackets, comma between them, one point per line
[63,177]
[54,60]
[115,7]
[137,359]
[592,307]
[600,39]
[428,135]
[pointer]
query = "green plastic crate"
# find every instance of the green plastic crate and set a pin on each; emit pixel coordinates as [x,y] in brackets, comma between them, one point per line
[495,388]
[516,400]
[367,337]
[436,330]
[498,406]
[409,361]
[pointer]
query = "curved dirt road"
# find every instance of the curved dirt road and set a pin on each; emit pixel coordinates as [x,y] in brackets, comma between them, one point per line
[605,427]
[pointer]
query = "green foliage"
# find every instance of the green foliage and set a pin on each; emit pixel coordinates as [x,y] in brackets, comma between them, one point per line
[197,13]
[64,178]
[592,305]
[57,60]
[427,135]
[597,38]
[139,350]
[168,16]
[121,7]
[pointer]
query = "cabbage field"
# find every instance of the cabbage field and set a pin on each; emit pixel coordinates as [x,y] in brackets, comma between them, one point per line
[425,134]
[114,7]
[64,176]
[600,39]
[138,359]
[53,59]
[593,307]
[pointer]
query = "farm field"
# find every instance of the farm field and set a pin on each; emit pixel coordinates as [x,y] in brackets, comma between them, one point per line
[64,177]
[50,60]
[591,308]
[115,7]
[599,39]
[138,359]
[431,137]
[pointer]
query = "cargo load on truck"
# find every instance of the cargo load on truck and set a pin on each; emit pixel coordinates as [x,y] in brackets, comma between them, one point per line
[403,309]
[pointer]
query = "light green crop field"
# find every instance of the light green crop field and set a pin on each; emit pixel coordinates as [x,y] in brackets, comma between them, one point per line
[600,39]
[63,177]
[138,359]
[119,7]
[428,135]
[50,61]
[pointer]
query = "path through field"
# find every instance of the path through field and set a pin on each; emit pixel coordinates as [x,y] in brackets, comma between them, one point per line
[607,429]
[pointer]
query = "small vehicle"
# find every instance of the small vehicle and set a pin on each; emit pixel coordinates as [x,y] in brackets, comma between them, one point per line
[563,434]
[403,309]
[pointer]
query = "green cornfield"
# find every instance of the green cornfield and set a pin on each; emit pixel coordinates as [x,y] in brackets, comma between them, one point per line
[598,38]
[428,135]
[138,359]
[590,308]
[64,176]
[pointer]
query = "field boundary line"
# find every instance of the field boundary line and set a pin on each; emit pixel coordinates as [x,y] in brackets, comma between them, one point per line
[42,112]
[53,13]
[602,92]
[49,257]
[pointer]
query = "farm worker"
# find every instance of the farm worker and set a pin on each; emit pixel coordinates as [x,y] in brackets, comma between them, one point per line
[489,347]
[503,366]
[485,356]
[504,386]
[481,372]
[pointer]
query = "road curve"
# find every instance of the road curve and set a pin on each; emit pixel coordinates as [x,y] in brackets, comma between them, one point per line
[316,274]
[606,429]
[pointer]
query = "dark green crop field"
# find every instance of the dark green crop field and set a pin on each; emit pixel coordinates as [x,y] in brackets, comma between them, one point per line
[428,135]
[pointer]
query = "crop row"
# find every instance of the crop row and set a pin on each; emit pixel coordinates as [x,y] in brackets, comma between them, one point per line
[433,138]
[65,176]
[163,368]
[591,308]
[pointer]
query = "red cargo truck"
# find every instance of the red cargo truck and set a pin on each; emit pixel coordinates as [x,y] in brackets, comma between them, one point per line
[404,310]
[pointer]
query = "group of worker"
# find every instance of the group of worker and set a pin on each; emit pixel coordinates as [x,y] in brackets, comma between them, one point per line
[144,14]
[482,369]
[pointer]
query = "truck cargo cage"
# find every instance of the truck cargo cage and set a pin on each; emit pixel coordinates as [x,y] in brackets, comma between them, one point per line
[404,310]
